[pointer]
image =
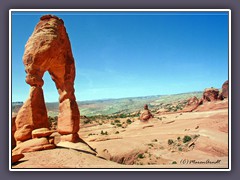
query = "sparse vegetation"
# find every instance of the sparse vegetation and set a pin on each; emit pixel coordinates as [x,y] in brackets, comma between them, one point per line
[104,133]
[123,116]
[119,125]
[141,156]
[174,162]
[117,132]
[186,139]
[86,121]
[161,147]
[170,141]
[129,121]
[116,121]
[196,136]
[91,134]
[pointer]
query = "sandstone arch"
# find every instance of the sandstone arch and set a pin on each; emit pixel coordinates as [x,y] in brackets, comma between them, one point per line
[48,50]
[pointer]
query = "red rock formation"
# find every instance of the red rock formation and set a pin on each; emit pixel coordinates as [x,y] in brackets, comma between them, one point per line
[36,144]
[16,157]
[13,131]
[42,132]
[145,114]
[225,89]
[191,105]
[210,94]
[48,49]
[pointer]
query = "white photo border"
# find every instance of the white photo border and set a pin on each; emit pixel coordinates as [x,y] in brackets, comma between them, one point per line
[121,10]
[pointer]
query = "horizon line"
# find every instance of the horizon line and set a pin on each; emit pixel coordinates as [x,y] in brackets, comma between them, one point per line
[124,97]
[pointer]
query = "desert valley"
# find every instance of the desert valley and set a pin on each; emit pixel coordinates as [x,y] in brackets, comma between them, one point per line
[180,135]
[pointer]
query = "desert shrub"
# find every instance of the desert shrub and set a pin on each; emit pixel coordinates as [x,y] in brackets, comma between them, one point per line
[141,156]
[92,118]
[119,125]
[129,121]
[117,121]
[186,139]
[178,138]
[117,132]
[86,121]
[180,149]
[112,123]
[196,136]
[123,116]
[170,141]
[50,119]
[174,162]
[104,133]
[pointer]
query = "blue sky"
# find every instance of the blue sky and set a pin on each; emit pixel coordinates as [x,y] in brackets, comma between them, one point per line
[132,54]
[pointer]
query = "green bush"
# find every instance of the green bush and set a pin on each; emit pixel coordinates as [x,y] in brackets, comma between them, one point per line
[174,162]
[186,139]
[117,121]
[170,141]
[141,156]
[129,121]
[104,133]
[119,125]
[123,116]
[86,121]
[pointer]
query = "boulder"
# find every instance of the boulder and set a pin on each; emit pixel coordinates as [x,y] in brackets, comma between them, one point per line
[191,105]
[31,145]
[225,89]
[41,132]
[24,133]
[210,94]
[145,114]
[16,157]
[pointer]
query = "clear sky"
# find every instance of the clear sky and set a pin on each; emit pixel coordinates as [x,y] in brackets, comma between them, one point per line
[132,54]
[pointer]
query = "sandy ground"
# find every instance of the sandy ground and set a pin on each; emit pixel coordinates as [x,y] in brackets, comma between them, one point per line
[158,143]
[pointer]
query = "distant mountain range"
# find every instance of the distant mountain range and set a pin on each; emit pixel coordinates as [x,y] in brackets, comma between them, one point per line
[122,105]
